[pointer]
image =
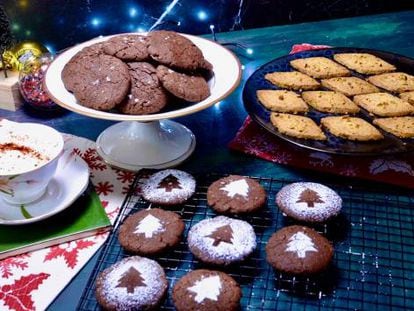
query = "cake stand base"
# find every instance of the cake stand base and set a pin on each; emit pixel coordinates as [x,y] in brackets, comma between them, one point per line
[133,145]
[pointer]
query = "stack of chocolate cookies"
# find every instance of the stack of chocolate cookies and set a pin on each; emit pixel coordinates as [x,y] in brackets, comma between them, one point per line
[137,74]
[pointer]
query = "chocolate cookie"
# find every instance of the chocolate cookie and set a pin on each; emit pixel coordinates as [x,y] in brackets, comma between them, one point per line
[189,88]
[127,47]
[100,82]
[69,74]
[236,194]
[298,250]
[150,231]
[174,50]
[307,201]
[205,290]
[146,94]
[134,283]
[221,240]
[168,187]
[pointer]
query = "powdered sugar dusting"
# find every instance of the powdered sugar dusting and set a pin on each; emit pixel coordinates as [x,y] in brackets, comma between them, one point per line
[300,243]
[152,274]
[206,288]
[328,204]
[243,239]
[240,187]
[149,226]
[151,190]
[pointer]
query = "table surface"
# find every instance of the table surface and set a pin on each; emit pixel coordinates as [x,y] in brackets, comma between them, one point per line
[217,125]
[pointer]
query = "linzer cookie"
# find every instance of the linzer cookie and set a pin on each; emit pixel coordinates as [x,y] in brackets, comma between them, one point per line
[134,283]
[146,94]
[384,105]
[236,194]
[293,80]
[399,126]
[330,102]
[181,85]
[319,67]
[349,86]
[150,231]
[221,240]
[351,128]
[308,201]
[297,126]
[282,101]
[127,47]
[298,250]
[206,290]
[397,82]
[168,187]
[364,63]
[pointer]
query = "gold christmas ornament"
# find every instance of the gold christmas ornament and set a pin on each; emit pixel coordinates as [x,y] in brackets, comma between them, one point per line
[15,57]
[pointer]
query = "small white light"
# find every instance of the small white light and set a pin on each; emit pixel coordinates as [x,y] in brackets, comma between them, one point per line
[133,12]
[249,51]
[95,22]
[212,27]
[202,15]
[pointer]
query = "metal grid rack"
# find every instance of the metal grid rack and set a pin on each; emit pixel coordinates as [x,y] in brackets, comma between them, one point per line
[373,266]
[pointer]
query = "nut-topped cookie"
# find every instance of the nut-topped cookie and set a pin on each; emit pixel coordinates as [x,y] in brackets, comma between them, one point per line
[402,127]
[308,201]
[205,290]
[397,82]
[364,63]
[296,126]
[349,86]
[282,101]
[292,80]
[221,240]
[384,105]
[168,187]
[150,231]
[235,194]
[319,67]
[298,250]
[408,97]
[330,102]
[134,283]
[351,128]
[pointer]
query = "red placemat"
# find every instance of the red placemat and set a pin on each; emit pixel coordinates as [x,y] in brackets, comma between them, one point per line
[254,140]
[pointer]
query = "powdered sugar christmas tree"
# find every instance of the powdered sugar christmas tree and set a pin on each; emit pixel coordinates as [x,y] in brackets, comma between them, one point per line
[149,226]
[240,187]
[300,243]
[206,288]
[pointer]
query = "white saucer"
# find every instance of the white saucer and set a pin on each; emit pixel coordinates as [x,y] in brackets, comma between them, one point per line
[69,182]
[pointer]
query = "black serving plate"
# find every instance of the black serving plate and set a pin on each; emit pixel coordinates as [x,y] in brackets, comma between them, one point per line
[389,145]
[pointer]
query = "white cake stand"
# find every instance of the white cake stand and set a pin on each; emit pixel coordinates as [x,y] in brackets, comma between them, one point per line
[148,141]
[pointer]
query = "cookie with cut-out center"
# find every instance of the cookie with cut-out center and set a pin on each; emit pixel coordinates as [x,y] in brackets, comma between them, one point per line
[296,126]
[146,95]
[205,290]
[299,250]
[351,128]
[134,283]
[235,194]
[292,80]
[397,82]
[399,126]
[384,105]
[282,101]
[319,67]
[349,86]
[221,240]
[330,102]
[308,201]
[150,231]
[364,63]
[168,187]
[127,47]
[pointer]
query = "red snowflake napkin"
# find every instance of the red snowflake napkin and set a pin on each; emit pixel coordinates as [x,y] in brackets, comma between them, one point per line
[254,140]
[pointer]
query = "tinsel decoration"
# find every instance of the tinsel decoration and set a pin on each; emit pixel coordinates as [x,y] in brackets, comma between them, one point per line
[6,37]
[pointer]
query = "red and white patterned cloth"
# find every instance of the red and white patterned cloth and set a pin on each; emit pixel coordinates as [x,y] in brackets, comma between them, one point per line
[33,280]
[254,140]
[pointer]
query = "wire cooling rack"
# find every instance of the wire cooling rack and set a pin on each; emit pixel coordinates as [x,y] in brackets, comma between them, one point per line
[372,269]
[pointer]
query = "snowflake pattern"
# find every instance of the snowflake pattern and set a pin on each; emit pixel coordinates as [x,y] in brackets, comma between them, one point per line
[104,188]
[19,262]
[69,251]
[124,176]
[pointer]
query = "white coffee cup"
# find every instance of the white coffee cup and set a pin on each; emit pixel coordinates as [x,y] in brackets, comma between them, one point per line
[29,154]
